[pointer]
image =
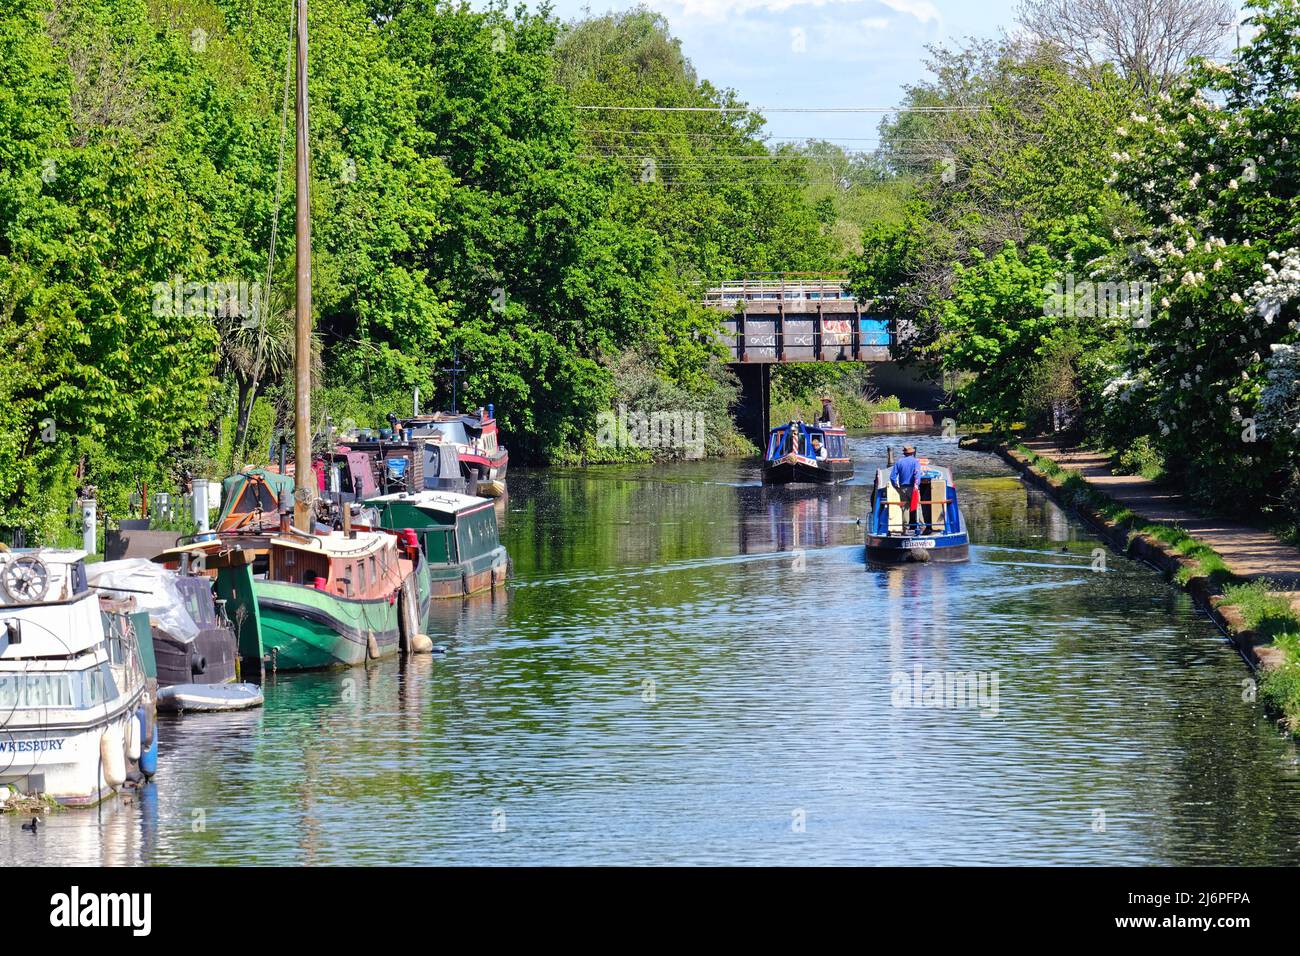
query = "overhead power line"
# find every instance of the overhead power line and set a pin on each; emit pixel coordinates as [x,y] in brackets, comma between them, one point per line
[779,139]
[785,109]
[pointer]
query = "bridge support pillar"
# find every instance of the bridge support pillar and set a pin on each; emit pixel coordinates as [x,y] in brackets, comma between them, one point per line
[755,401]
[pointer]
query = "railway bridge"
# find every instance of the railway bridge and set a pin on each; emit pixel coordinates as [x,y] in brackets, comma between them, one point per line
[793,318]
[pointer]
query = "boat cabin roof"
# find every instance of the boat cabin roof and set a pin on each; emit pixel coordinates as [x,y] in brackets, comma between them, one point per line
[473,421]
[440,502]
[810,427]
[336,544]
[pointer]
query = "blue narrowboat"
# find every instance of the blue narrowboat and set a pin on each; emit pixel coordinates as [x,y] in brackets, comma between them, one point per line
[802,452]
[927,527]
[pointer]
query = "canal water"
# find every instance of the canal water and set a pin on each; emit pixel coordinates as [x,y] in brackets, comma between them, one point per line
[690,668]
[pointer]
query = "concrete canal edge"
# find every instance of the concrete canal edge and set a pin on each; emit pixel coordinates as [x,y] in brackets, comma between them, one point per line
[1206,590]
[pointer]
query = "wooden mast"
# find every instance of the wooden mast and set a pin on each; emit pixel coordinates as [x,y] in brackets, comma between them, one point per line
[304,476]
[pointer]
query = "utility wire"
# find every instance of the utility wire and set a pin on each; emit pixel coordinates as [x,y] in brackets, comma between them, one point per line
[786,109]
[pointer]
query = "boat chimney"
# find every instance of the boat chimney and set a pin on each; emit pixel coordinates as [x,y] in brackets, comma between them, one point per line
[347,518]
[286,509]
[889,456]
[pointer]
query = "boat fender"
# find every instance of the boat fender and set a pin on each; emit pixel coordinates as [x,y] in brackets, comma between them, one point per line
[918,555]
[112,755]
[149,755]
[422,644]
[372,646]
[198,664]
[133,740]
[149,714]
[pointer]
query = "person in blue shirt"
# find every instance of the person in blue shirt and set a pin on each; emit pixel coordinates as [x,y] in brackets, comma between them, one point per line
[904,476]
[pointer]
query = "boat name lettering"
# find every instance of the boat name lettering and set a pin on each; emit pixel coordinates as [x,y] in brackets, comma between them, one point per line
[31,746]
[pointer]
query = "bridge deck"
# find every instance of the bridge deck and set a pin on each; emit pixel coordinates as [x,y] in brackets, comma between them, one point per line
[799,321]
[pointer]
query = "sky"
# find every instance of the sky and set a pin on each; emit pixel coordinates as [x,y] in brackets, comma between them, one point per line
[816,53]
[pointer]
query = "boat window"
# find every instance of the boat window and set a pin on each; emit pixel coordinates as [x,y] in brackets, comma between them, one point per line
[374,575]
[115,638]
[197,593]
[49,690]
[97,686]
[69,689]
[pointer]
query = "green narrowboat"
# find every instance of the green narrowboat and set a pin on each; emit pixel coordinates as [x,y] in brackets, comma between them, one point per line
[322,600]
[457,533]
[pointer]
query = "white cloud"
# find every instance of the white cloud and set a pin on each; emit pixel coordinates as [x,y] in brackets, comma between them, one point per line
[923,10]
[722,9]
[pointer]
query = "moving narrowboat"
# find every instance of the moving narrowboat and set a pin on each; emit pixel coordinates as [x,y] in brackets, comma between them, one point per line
[799,452]
[457,533]
[929,526]
[77,716]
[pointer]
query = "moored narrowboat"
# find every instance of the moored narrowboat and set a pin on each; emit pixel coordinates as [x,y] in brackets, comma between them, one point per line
[457,534]
[193,641]
[307,601]
[799,452]
[337,599]
[445,451]
[928,526]
[481,459]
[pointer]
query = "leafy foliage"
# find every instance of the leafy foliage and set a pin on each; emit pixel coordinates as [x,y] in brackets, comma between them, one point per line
[462,206]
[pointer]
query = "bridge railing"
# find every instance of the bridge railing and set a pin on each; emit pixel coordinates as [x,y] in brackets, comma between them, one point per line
[776,290]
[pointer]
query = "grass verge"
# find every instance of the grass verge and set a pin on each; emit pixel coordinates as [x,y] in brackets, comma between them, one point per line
[1265,612]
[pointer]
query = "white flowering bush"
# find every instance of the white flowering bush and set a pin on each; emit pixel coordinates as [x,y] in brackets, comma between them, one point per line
[1215,169]
[1279,403]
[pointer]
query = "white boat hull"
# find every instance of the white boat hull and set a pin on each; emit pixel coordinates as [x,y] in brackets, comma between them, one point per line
[68,763]
[72,682]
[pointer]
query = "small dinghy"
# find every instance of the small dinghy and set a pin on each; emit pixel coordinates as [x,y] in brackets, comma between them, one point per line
[207,698]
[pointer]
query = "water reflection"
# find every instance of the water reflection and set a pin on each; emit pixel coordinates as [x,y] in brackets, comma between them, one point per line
[685,660]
